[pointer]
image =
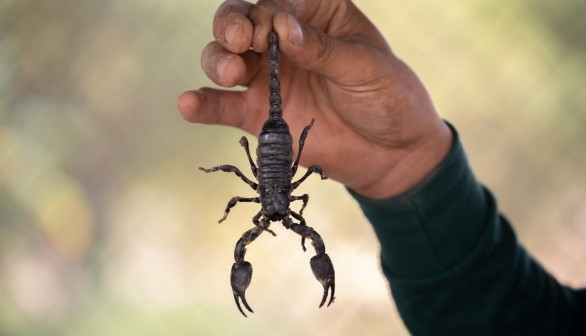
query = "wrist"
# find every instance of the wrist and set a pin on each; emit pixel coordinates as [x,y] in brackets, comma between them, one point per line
[409,166]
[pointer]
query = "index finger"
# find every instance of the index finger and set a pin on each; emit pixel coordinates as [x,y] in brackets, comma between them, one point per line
[232,27]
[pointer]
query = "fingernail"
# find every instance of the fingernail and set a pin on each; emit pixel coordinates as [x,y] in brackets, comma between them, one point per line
[295,31]
[230,32]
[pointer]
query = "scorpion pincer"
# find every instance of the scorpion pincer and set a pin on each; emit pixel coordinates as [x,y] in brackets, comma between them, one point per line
[274,172]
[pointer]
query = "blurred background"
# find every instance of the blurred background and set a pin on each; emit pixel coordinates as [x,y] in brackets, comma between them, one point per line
[108,228]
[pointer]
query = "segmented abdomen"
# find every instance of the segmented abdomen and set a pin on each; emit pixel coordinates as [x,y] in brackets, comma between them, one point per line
[274,153]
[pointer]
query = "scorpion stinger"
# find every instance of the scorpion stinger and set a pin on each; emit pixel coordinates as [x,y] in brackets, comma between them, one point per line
[274,172]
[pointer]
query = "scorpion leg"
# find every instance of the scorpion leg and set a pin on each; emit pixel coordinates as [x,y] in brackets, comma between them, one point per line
[310,170]
[301,143]
[241,273]
[244,143]
[234,201]
[231,169]
[304,198]
[321,264]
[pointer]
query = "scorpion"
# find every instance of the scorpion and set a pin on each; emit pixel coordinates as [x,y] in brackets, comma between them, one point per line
[274,173]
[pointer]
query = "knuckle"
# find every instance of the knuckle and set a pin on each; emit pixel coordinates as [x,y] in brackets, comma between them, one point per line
[325,48]
[261,14]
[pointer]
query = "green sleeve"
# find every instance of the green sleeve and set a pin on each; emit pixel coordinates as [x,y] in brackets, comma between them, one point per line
[454,264]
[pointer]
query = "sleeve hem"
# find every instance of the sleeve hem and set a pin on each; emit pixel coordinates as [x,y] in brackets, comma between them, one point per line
[430,228]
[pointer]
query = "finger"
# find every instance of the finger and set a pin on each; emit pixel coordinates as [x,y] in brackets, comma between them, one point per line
[232,29]
[221,66]
[227,69]
[220,107]
[262,20]
[262,14]
[212,106]
[316,51]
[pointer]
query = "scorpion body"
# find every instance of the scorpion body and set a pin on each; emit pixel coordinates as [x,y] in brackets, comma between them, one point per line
[274,174]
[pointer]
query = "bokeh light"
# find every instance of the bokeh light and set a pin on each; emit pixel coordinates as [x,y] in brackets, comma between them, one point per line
[108,228]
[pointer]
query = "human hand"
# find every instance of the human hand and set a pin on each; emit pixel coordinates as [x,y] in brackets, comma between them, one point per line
[376,130]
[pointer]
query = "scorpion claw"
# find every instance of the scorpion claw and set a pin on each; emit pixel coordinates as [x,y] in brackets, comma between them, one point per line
[245,304]
[240,278]
[323,269]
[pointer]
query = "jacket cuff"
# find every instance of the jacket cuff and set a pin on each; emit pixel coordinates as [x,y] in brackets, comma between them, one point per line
[431,227]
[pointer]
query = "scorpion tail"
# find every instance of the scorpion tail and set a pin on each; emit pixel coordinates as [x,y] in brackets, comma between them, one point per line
[275,110]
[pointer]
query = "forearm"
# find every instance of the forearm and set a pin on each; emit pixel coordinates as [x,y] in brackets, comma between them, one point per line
[454,264]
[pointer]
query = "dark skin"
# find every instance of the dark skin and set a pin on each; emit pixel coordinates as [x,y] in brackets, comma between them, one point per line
[335,67]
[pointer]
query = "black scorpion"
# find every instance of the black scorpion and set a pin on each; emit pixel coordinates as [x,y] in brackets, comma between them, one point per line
[274,173]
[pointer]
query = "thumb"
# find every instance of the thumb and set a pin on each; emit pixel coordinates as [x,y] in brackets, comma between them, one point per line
[313,50]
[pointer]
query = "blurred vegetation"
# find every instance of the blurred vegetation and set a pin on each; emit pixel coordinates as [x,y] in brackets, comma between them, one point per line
[107,228]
